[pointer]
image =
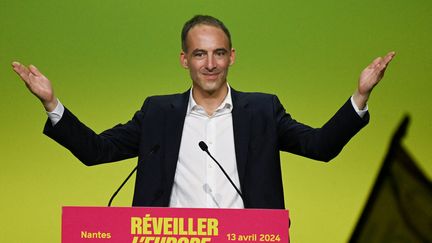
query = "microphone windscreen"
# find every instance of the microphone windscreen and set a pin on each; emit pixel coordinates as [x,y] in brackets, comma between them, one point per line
[203,146]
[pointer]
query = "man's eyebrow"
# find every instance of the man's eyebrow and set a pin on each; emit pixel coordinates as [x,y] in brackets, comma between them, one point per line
[221,49]
[198,50]
[217,50]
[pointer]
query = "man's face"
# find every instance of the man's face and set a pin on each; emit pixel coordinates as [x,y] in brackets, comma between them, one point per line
[208,58]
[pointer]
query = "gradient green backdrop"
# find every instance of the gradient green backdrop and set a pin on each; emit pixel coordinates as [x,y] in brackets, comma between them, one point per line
[105,57]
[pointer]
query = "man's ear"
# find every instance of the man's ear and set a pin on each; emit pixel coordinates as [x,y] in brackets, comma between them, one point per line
[183,60]
[232,56]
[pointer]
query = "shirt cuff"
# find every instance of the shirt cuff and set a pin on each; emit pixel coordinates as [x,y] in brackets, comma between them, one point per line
[56,114]
[362,112]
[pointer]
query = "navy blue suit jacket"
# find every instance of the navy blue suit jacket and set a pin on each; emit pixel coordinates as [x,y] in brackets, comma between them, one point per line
[261,126]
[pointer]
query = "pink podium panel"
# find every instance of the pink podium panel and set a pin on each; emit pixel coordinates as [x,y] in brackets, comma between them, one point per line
[173,225]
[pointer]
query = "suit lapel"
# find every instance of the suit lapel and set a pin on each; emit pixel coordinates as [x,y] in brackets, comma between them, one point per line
[241,125]
[173,134]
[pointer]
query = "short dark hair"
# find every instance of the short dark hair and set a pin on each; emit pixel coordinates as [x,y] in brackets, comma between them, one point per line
[206,20]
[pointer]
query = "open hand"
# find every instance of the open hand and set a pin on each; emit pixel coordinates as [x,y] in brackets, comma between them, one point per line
[37,83]
[370,77]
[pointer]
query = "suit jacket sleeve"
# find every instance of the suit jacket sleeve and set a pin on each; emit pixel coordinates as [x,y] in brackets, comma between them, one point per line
[118,143]
[317,143]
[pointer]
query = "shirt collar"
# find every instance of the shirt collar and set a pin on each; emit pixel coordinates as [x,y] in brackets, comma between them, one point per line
[225,105]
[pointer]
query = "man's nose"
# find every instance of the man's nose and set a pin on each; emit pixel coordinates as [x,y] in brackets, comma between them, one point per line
[211,64]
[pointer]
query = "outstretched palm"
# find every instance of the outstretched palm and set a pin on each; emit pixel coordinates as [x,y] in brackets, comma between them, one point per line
[370,77]
[373,73]
[37,83]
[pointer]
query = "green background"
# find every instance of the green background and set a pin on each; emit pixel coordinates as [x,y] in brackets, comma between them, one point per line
[105,57]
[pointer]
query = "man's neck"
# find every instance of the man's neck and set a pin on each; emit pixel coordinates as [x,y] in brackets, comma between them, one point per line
[210,101]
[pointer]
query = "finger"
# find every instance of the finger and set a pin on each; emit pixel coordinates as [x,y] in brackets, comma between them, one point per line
[17,67]
[15,64]
[35,71]
[385,61]
[21,70]
[389,57]
[375,62]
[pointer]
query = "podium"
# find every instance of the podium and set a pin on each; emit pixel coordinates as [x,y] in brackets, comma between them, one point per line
[173,225]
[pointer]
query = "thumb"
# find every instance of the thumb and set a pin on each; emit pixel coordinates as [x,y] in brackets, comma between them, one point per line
[35,71]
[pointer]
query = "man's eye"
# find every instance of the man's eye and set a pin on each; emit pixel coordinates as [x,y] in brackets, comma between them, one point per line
[199,54]
[220,53]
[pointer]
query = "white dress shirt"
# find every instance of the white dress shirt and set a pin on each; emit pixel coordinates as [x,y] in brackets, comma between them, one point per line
[198,181]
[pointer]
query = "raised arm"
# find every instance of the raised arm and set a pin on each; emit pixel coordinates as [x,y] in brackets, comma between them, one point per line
[370,77]
[38,84]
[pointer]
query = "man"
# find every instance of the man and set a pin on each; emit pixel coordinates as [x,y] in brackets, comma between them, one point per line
[244,131]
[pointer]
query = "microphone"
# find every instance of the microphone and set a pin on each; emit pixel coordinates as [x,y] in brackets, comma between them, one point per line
[204,148]
[152,151]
